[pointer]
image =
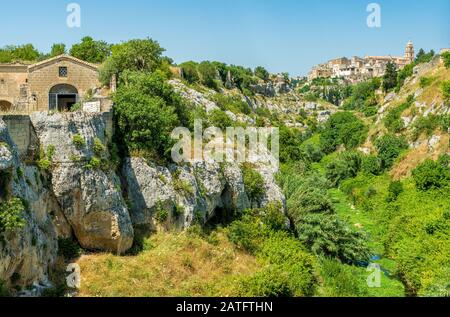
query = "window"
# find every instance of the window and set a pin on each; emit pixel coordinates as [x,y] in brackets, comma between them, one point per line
[63,72]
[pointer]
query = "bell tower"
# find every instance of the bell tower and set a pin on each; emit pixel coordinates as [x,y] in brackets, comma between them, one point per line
[409,52]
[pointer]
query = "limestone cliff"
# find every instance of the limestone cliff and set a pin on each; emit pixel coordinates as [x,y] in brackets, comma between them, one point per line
[72,190]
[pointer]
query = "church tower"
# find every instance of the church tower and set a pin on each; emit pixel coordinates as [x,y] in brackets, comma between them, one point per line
[409,52]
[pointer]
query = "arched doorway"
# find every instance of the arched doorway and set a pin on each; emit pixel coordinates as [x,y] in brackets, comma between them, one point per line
[62,97]
[5,106]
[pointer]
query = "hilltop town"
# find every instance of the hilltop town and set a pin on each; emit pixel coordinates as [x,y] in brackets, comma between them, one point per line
[357,69]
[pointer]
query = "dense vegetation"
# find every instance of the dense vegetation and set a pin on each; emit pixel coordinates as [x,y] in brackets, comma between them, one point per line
[344,209]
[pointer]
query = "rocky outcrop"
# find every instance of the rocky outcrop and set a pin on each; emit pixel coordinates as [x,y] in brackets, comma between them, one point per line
[90,197]
[184,194]
[179,196]
[27,253]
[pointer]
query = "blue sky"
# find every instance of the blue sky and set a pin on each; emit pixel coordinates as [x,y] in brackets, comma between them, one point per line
[282,35]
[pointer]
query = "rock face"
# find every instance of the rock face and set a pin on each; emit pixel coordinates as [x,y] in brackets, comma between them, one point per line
[90,198]
[186,194]
[26,253]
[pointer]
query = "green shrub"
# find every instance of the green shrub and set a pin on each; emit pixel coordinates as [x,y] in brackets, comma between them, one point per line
[446,89]
[394,190]
[343,128]
[253,183]
[233,104]
[94,163]
[431,174]
[429,124]
[290,145]
[4,292]
[98,147]
[76,107]
[11,215]
[389,148]
[371,164]
[247,233]
[426,81]
[289,270]
[161,213]
[147,110]
[68,248]
[340,280]
[393,120]
[220,119]
[272,281]
[45,158]
[78,141]
[327,235]
[446,58]
[347,165]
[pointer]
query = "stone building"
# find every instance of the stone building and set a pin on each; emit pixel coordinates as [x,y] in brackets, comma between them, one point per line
[55,84]
[358,69]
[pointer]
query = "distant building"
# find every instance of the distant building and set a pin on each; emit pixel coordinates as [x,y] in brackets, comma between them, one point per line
[55,84]
[358,69]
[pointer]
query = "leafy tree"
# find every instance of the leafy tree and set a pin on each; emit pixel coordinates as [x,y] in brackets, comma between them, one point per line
[390,77]
[394,190]
[12,53]
[146,113]
[389,148]
[190,72]
[328,236]
[58,49]
[423,57]
[346,166]
[290,142]
[343,128]
[90,50]
[135,55]
[262,73]
[371,164]
[431,174]
[208,75]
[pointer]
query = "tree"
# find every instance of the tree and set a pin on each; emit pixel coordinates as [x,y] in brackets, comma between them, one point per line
[58,49]
[90,50]
[423,57]
[389,148]
[135,55]
[146,110]
[190,72]
[208,75]
[431,174]
[390,77]
[343,128]
[262,73]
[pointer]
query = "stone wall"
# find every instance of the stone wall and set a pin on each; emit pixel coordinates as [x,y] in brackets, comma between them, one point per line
[21,132]
[11,79]
[43,77]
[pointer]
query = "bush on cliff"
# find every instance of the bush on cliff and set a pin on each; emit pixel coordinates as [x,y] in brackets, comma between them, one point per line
[147,110]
